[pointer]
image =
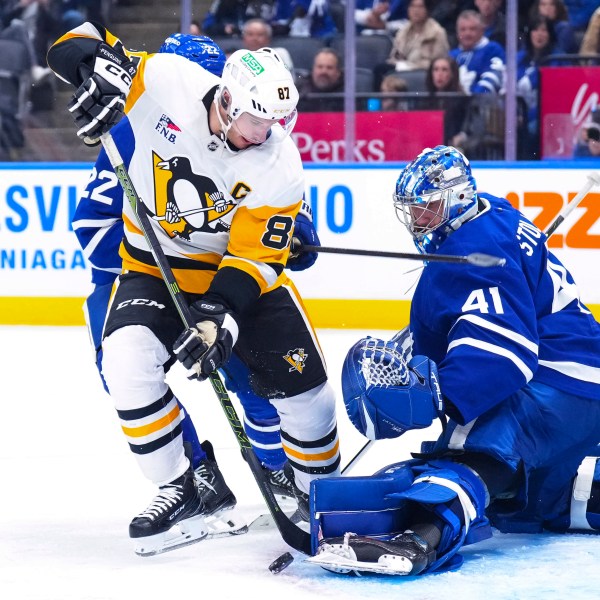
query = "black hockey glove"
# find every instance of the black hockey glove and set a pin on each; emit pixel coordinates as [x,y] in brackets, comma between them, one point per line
[99,101]
[206,347]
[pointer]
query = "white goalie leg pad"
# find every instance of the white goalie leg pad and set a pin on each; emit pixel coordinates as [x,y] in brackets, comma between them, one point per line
[186,532]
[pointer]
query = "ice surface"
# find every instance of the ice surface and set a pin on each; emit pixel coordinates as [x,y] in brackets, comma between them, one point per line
[70,487]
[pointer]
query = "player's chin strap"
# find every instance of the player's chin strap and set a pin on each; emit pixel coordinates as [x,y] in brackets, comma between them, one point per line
[293,535]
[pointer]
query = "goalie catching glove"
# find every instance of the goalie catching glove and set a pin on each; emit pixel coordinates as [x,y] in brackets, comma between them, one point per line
[99,102]
[386,396]
[207,347]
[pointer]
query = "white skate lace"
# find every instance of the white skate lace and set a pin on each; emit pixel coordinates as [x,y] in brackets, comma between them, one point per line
[168,497]
[201,478]
[280,477]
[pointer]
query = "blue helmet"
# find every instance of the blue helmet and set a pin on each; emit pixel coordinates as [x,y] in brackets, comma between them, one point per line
[435,194]
[197,48]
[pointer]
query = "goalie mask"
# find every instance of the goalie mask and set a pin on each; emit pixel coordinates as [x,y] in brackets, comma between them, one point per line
[197,48]
[435,194]
[257,91]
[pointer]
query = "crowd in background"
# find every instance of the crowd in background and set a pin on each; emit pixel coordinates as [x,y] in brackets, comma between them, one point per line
[457,47]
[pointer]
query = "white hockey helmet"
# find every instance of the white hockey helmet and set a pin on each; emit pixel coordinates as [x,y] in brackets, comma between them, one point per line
[259,85]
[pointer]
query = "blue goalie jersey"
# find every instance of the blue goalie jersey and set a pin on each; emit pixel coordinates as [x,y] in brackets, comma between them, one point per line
[493,330]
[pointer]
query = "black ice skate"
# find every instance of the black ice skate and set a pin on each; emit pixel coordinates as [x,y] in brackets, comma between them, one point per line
[406,554]
[281,481]
[216,497]
[172,520]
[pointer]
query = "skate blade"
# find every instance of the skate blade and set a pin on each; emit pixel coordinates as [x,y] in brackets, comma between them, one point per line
[388,564]
[221,524]
[185,533]
[266,521]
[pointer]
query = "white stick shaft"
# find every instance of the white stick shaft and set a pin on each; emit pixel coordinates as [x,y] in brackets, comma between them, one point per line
[593,180]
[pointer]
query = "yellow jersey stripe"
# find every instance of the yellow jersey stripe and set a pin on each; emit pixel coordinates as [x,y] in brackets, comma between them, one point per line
[137,432]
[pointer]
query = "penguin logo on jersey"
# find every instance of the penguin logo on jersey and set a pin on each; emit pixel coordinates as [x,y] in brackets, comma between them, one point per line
[296,358]
[187,202]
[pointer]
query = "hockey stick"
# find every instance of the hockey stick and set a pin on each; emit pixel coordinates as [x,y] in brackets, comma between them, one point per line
[293,535]
[193,211]
[593,180]
[478,259]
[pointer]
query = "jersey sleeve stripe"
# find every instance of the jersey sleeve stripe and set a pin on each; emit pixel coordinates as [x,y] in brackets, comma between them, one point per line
[93,223]
[574,370]
[507,333]
[492,348]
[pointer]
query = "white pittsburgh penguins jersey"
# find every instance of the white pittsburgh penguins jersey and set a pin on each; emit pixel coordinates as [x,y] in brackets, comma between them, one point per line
[210,207]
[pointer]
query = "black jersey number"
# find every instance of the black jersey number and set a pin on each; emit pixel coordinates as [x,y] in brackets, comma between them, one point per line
[278,231]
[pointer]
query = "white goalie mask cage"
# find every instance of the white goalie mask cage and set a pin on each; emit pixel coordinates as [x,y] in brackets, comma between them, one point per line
[259,85]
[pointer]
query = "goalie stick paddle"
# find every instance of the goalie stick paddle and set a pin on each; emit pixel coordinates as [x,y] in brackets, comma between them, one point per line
[477,258]
[292,535]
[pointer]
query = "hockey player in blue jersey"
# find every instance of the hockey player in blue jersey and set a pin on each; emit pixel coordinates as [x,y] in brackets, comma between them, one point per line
[98,224]
[507,357]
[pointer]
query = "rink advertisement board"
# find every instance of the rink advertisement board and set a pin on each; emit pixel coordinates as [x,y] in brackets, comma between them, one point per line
[563,115]
[44,275]
[380,136]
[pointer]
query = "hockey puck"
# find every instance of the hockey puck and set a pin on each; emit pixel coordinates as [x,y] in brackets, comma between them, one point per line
[281,563]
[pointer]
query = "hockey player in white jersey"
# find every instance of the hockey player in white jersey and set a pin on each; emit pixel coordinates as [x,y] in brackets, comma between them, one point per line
[98,224]
[508,356]
[223,182]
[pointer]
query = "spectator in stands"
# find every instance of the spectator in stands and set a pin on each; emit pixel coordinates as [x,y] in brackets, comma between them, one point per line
[557,12]
[540,44]
[374,16]
[446,93]
[304,18]
[446,13]
[35,23]
[16,62]
[260,9]
[195,28]
[588,144]
[590,44]
[580,12]
[494,20]
[257,33]
[326,77]
[224,18]
[416,44]
[481,62]
[393,84]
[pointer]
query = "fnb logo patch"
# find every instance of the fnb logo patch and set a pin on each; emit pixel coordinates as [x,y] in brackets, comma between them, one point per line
[167,128]
[252,64]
